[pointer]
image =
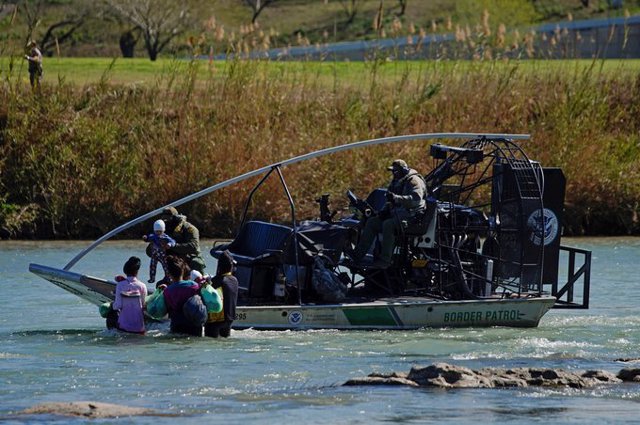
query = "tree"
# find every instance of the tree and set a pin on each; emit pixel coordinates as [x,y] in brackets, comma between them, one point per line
[350,9]
[128,43]
[32,12]
[57,32]
[159,21]
[257,6]
[403,7]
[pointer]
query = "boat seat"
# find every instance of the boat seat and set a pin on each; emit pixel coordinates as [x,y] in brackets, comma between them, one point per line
[421,230]
[257,249]
[256,242]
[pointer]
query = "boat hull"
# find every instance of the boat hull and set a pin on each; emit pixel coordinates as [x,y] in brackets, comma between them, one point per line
[403,313]
[398,314]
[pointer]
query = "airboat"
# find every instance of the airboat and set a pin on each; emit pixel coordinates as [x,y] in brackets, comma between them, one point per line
[485,252]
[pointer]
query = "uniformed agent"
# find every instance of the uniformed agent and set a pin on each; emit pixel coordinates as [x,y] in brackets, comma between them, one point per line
[186,236]
[405,199]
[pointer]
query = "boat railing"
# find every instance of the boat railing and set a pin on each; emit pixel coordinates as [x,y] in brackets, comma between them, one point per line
[574,293]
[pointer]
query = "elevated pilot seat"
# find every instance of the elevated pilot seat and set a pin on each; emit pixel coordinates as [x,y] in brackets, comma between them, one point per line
[421,229]
[415,233]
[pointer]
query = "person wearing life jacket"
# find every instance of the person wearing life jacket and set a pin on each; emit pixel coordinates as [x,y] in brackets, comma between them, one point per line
[406,198]
[179,291]
[219,324]
[130,296]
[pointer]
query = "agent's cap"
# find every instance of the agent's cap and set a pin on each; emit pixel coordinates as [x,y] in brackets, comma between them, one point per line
[397,164]
[169,212]
[159,225]
[195,275]
[32,43]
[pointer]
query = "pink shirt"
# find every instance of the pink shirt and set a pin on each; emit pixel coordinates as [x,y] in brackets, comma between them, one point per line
[130,295]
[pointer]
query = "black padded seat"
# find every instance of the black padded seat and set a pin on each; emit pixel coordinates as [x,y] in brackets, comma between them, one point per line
[258,249]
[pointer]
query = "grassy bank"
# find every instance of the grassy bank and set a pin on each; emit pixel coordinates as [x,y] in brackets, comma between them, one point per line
[88,71]
[93,150]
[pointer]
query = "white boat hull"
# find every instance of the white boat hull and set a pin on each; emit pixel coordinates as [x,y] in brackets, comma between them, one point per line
[398,314]
[401,313]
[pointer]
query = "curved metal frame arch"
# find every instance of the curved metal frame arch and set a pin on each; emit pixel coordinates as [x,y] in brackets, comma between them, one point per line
[300,158]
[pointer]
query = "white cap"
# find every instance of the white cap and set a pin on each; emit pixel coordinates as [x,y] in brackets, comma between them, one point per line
[195,275]
[158,225]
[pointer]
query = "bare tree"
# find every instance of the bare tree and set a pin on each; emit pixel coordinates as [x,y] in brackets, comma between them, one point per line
[32,15]
[159,21]
[257,6]
[128,42]
[57,32]
[61,31]
[403,7]
[377,21]
[350,9]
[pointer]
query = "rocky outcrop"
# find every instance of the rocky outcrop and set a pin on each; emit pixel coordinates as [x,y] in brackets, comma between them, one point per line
[88,409]
[445,375]
[395,378]
[629,375]
[628,360]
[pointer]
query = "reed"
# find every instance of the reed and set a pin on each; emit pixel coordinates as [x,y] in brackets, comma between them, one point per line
[79,159]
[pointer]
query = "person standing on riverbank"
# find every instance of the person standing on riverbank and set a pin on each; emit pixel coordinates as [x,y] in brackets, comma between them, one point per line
[130,296]
[35,65]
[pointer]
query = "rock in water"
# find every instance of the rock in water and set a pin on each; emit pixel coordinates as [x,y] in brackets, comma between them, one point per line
[629,375]
[448,376]
[445,375]
[88,409]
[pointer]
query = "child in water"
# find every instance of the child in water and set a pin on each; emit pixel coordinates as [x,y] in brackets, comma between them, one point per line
[160,241]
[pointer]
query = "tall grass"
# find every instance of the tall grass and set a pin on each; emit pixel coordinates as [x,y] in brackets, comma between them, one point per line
[77,161]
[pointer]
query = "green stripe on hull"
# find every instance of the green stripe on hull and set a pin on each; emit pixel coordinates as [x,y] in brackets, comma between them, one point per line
[369,316]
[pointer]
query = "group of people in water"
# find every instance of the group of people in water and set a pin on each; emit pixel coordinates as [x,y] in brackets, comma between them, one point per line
[195,303]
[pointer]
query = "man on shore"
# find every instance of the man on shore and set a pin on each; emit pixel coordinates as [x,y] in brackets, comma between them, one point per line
[35,64]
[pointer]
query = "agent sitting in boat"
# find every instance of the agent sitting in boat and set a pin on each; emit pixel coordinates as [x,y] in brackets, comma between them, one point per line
[187,239]
[130,296]
[219,324]
[177,294]
[159,242]
[405,200]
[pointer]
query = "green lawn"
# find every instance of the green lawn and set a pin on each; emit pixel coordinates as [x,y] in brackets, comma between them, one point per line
[83,71]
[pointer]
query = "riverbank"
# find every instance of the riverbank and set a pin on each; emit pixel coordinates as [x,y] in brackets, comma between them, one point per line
[78,160]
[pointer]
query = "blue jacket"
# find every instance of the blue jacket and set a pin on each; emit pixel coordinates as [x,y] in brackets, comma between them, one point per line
[158,240]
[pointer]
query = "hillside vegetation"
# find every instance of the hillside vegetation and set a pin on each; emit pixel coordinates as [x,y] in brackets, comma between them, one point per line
[106,140]
[78,160]
[283,22]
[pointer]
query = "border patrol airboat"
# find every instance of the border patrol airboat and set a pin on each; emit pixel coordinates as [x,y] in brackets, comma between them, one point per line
[485,252]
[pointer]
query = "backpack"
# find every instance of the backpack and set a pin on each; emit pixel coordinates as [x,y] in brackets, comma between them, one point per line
[326,283]
[194,311]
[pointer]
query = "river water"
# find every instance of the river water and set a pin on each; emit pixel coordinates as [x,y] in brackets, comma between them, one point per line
[54,348]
